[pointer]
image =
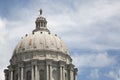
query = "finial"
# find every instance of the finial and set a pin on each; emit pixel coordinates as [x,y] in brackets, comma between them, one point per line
[40,11]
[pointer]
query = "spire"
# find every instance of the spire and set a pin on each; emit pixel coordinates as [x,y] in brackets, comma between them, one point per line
[40,11]
[41,23]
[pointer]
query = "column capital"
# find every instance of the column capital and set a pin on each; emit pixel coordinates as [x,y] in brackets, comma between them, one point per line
[6,70]
[49,62]
[61,63]
[34,62]
[71,67]
[11,69]
[75,70]
[21,64]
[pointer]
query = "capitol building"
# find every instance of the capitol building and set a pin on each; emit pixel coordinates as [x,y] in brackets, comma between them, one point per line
[41,55]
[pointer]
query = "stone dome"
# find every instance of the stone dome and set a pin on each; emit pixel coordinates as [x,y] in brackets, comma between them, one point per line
[41,39]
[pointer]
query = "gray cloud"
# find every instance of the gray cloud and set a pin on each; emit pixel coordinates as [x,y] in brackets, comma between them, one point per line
[98,60]
[114,74]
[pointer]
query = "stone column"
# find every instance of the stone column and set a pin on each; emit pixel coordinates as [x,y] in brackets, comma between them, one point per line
[11,75]
[36,73]
[50,72]
[47,72]
[21,73]
[71,74]
[75,77]
[33,73]
[48,69]
[63,73]
[61,77]
[75,73]
[71,69]
[6,72]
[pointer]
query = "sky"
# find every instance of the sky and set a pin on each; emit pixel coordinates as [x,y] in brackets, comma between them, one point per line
[90,29]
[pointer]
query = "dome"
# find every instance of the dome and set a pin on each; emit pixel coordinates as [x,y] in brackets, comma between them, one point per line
[41,39]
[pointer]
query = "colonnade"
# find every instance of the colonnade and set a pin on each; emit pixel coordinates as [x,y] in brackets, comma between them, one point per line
[48,72]
[63,73]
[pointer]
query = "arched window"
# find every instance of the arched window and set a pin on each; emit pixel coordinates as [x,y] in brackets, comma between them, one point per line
[28,75]
[41,24]
[42,75]
[65,76]
[16,77]
[55,75]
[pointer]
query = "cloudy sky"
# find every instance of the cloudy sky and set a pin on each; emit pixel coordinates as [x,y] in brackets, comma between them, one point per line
[90,29]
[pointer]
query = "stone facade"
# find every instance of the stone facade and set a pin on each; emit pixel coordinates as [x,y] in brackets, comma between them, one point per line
[30,61]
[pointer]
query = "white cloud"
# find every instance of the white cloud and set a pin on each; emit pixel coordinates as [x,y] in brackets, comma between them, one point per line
[98,11]
[2,74]
[91,26]
[99,60]
[94,74]
[2,23]
[3,31]
[3,47]
[114,74]
[81,22]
